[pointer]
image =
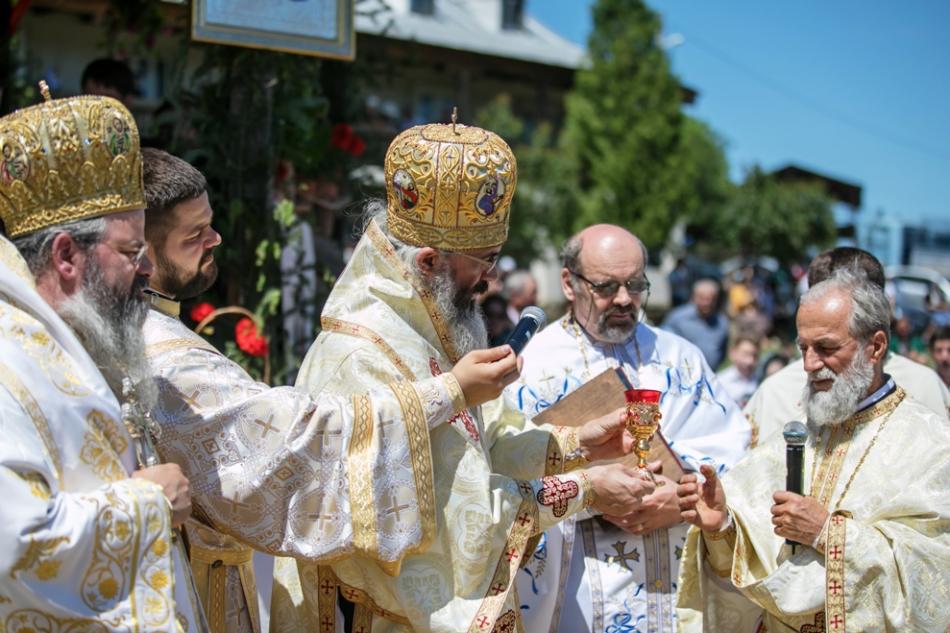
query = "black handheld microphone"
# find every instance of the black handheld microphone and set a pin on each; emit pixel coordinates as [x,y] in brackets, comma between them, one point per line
[532,319]
[794,434]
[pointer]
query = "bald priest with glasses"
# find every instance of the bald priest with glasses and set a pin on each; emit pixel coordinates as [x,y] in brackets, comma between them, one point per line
[618,573]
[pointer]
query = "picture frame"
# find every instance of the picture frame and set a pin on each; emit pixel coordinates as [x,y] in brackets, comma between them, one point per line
[321,28]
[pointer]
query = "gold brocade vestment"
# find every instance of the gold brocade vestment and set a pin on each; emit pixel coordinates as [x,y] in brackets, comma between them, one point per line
[85,547]
[885,566]
[273,469]
[493,486]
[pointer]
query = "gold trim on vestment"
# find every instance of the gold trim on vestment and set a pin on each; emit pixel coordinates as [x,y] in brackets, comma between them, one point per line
[562,453]
[360,473]
[362,619]
[825,478]
[417,432]
[456,395]
[360,597]
[210,567]
[330,324]
[834,573]
[172,344]
[508,563]
[18,390]
[327,585]
[388,252]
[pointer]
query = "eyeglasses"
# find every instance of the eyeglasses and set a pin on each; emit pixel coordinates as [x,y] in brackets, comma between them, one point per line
[634,285]
[489,263]
[135,255]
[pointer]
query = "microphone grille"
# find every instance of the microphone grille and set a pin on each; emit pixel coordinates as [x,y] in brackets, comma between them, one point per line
[536,313]
[795,433]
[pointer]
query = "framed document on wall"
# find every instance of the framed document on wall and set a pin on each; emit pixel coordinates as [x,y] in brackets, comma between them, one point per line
[323,28]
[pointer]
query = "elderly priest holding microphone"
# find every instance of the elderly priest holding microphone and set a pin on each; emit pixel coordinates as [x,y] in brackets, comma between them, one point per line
[872,550]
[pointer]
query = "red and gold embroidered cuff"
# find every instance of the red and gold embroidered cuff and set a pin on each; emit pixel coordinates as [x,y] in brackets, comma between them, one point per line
[454,389]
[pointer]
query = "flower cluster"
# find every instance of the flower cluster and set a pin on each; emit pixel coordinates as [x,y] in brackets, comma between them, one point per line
[200,311]
[248,339]
[344,138]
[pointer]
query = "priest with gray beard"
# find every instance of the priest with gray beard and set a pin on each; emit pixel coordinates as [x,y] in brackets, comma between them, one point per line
[872,543]
[85,523]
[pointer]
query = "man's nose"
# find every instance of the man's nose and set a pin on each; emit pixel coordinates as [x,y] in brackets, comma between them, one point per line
[623,297]
[145,267]
[215,238]
[811,361]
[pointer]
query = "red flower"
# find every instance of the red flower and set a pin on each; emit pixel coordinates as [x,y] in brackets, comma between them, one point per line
[357,146]
[200,311]
[341,136]
[247,338]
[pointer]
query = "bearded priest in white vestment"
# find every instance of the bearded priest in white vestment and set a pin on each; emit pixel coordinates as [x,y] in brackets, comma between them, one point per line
[619,573]
[403,310]
[274,469]
[872,535]
[779,398]
[87,540]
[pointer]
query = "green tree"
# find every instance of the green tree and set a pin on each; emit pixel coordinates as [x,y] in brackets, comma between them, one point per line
[700,162]
[625,126]
[766,216]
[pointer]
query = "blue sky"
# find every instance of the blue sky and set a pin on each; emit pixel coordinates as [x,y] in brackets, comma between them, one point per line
[856,90]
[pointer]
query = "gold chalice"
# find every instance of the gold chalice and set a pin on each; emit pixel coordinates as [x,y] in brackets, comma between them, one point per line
[643,420]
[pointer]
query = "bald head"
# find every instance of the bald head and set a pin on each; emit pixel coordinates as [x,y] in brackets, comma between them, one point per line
[602,241]
[603,279]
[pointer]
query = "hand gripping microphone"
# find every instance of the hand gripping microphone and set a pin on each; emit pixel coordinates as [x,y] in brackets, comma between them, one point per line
[532,319]
[794,434]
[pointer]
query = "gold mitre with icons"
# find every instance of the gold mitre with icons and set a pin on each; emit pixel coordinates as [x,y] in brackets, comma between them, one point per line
[68,159]
[449,187]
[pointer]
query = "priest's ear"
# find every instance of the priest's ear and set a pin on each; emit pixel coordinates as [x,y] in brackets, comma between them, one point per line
[566,287]
[427,260]
[877,346]
[66,259]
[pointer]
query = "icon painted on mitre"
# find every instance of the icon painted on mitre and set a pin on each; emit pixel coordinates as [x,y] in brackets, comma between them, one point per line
[488,195]
[405,188]
[118,137]
[15,165]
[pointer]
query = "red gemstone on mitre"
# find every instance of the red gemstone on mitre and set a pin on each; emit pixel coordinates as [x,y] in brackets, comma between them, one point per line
[645,396]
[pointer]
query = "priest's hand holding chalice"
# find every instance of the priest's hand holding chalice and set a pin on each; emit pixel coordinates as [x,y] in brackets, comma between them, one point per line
[643,421]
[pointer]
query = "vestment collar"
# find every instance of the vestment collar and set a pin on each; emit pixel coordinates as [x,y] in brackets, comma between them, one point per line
[379,294]
[163,303]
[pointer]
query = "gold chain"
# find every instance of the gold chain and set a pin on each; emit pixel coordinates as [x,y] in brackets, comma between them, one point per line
[854,473]
[847,486]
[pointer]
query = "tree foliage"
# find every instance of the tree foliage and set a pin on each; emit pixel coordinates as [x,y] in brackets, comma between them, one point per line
[767,217]
[625,126]
[541,211]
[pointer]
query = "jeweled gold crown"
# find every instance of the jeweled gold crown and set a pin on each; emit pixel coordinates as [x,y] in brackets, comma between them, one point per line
[449,187]
[68,159]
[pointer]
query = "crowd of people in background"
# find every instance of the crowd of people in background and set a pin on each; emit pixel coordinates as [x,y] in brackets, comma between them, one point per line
[741,321]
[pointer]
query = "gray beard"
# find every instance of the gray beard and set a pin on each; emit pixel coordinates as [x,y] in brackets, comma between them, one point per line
[614,333]
[826,408]
[109,326]
[466,323]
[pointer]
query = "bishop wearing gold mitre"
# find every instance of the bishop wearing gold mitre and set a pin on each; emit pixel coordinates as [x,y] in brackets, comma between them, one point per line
[85,526]
[272,468]
[404,310]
